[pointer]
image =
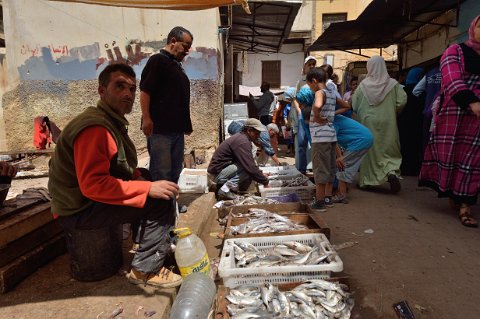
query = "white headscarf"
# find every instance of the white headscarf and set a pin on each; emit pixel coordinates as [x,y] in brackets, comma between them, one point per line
[377,83]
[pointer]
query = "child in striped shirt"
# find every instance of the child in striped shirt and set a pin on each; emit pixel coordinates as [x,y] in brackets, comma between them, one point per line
[324,138]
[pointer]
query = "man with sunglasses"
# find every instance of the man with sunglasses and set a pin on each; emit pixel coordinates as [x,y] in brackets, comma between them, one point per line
[165,104]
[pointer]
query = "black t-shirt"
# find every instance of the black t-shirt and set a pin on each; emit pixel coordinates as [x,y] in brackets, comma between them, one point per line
[164,79]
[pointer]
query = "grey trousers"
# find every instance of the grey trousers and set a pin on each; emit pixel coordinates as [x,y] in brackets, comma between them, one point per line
[235,177]
[157,219]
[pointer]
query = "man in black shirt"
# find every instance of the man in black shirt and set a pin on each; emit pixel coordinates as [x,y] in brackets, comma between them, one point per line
[165,103]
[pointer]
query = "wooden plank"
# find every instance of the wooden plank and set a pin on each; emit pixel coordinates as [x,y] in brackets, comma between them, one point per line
[23,223]
[22,267]
[14,206]
[28,242]
[28,151]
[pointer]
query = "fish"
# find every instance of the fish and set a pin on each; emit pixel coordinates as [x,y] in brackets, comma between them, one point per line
[244,300]
[304,259]
[276,306]
[307,311]
[284,303]
[307,300]
[302,296]
[266,222]
[247,246]
[267,295]
[299,247]
[285,251]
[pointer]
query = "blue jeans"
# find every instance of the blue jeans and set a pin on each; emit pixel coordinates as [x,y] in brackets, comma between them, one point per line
[302,156]
[235,177]
[166,156]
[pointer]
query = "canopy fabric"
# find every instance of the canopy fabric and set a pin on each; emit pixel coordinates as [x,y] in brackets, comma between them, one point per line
[382,23]
[165,4]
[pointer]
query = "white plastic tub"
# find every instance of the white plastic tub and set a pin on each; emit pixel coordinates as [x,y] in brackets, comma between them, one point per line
[234,277]
[193,181]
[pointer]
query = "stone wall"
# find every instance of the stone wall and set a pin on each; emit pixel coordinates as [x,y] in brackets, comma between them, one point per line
[63,100]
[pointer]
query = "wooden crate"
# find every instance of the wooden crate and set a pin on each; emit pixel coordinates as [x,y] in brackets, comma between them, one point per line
[14,272]
[221,301]
[313,222]
[28,242]
[283,209]
[24,222]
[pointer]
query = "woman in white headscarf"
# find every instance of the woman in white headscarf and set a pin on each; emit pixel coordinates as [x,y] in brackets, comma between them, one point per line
[377,103]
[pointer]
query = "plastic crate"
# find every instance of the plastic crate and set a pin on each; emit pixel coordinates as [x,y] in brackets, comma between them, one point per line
[276,169]
[290,198]
[234,277]
[305,193]
[235,111]
[193,181]
[280,172]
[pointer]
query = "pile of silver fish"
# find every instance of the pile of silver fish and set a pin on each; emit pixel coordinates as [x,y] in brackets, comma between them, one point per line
[283,174]
[266,222]
[299,180]
[248,199]
[288,253]
[315,299]
[255,213]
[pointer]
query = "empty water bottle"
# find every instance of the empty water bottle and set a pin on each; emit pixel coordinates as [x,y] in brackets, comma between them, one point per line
[195,297]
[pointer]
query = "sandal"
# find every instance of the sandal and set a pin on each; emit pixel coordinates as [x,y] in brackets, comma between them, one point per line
[466,217]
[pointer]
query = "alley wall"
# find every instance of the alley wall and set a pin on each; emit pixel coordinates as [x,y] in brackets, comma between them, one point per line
[55,52]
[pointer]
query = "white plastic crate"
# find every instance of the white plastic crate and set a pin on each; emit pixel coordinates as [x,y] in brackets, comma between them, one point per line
[193,181]
[280,172]
[305,193]
[275,169]
[235,111]
[234,277]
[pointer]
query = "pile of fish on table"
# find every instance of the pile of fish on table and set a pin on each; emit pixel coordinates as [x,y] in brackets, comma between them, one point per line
[247,199]
[289,253]
[294,181]
[262,221]
[316,299]
[225,206]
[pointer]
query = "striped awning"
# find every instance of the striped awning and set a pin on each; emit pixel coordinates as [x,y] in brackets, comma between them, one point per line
[165,4]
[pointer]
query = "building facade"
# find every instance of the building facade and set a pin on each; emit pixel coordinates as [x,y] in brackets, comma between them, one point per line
[333,11]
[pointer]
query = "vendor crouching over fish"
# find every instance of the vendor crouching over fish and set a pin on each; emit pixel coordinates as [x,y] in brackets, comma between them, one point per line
[232,166]
[94,181]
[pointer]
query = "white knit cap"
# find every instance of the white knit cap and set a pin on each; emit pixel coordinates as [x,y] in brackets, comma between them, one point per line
[308,58]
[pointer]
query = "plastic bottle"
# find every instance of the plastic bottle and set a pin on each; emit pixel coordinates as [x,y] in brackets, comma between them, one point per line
[194,298]
[190,253]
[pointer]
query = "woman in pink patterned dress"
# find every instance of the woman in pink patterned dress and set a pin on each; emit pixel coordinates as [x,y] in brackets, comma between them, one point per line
[451,164]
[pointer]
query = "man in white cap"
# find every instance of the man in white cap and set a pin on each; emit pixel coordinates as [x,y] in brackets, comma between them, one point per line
[233,166]
[309,63]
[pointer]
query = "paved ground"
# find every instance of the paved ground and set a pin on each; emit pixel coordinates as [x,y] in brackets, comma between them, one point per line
[414,249]
[52,293]
[410,246]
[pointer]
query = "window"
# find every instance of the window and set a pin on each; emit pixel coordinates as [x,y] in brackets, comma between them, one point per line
[330,18]
[328,59]
[271,73]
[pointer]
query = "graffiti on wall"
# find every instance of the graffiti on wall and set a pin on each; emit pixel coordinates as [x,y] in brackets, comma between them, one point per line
[135,53]
[61,62]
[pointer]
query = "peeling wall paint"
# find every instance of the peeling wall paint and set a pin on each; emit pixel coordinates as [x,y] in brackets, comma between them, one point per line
[55,52]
